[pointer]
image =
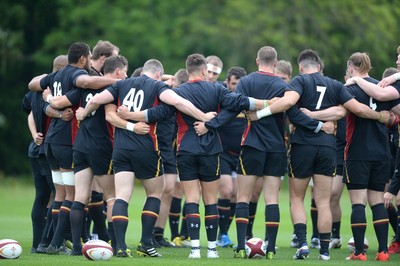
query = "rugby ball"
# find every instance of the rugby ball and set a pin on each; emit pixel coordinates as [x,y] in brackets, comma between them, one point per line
[255,248]
[352,248]
[97,250]
[10,249]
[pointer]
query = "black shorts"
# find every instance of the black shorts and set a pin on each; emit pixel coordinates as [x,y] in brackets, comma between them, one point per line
[145,164]
[339,169]
[229,162]
[260,163]
[307,160]
[59,156]
[169,160]
[99,165]
[366,174]
[202,167]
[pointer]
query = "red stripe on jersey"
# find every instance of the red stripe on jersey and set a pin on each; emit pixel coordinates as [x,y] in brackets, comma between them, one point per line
[153,128]
[74,125]
[349,133]
[110,130]
[182,128]
[245,133]
[47,120]
[266,73]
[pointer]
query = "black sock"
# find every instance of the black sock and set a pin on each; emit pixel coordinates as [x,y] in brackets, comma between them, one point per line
[158,233]
[76,219]
[96,208]
[211,221]
[47,234]
[174,215]
[111,234]
[397,239]
[120,221]
[314,219]
[252,216]
[272,219]
[300,230]
[232,213]
[336,229]
[242,220]
[224,211]
[149,216]
[324,239]
[55,211]
[381,225]
[63,225]
[392,212]
[358,226]
[184,230]
[193,220]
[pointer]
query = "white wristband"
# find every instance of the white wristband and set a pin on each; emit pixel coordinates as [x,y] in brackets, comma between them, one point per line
[397,76]
[130,126]
[48,98]
[263,112]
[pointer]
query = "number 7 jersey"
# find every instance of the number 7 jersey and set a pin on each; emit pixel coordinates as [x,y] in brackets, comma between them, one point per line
[317,92]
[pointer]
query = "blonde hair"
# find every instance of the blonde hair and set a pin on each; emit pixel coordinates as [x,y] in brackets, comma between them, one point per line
[360,61]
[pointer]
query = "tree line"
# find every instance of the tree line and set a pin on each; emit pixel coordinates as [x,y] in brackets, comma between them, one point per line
[32,33]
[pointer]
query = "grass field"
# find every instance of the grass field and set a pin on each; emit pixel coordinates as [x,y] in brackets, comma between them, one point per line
[17,197]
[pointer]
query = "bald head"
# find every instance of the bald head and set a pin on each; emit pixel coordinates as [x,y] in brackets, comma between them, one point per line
[60,62]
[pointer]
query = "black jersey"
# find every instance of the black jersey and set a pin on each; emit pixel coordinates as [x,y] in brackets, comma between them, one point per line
[207,97]
[63,82]
[95,135]
[33,101]
[367,139]
[265,134]
[231,134]
[317,92]
[137,94]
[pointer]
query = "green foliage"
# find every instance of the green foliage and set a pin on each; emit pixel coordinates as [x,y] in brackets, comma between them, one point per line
[32,33]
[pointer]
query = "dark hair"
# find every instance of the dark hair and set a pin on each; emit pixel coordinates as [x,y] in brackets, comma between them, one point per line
[309,57]
[114,62]
[137,72]
[181,76]
[389,71]
[76,50]
[237,72]
[105,48]
[195,62]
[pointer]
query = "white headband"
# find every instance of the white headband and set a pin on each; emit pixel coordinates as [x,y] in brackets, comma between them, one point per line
[215,69]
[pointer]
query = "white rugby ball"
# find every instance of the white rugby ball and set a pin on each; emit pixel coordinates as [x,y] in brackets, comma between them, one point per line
[97,250]
[352,248]
[10,249]
[255,248]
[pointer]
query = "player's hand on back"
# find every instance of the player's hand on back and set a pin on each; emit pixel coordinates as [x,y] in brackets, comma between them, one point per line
[329,127]
[79,113]
[210,115]
[200,128]
[252,115]
[141,128]
[123,112]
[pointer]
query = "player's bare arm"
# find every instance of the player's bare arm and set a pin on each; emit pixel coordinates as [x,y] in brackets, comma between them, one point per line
[113,118]
[330,114]
[94,82]
[381,94]
[57,102]
[365,111]
[34,84]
